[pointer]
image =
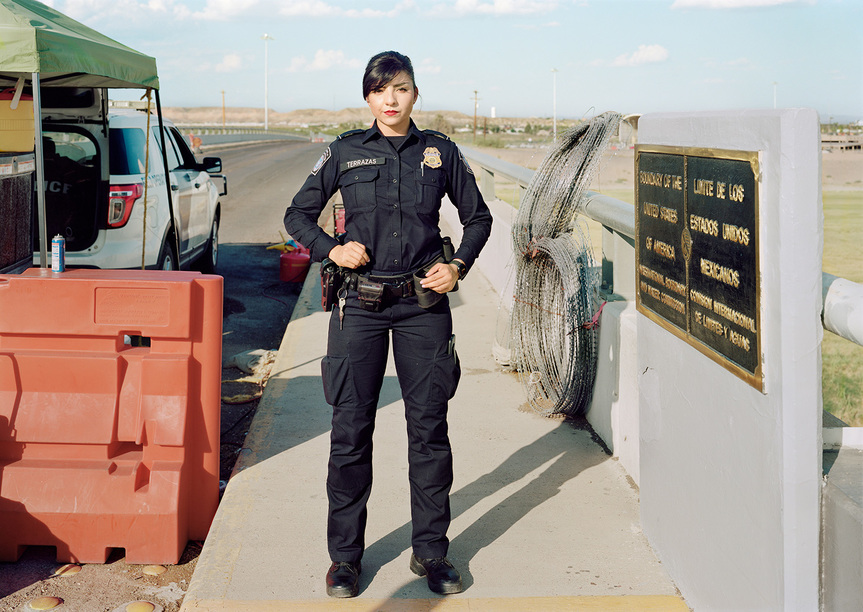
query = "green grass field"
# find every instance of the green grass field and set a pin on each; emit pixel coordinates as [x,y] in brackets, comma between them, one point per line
[842,361]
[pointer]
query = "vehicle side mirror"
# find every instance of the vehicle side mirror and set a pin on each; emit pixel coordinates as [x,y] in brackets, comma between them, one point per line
[212,165]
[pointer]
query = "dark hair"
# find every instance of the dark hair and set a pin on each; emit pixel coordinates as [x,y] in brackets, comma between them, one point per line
[383,68]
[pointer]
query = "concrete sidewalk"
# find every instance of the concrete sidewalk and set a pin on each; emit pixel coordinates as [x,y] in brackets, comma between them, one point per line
[543,518]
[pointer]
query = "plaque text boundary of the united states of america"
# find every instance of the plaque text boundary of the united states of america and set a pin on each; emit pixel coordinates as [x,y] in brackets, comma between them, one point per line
[697,254]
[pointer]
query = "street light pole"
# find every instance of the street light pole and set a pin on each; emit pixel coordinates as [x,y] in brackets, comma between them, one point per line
[267,38]
[475,108]
[554,101]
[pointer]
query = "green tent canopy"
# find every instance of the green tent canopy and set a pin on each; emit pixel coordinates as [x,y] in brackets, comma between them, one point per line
[34,38]
[42,48]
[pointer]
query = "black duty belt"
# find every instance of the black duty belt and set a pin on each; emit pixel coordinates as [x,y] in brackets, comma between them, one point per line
[376,288]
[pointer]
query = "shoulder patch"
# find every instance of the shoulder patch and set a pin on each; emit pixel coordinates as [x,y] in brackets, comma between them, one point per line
[320,163]
[434,133]
[464,161]
[350,133]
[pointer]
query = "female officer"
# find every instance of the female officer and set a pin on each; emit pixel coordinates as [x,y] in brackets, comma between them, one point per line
[392,178]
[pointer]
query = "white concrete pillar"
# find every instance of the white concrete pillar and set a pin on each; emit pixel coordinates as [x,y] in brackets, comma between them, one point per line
[730,475]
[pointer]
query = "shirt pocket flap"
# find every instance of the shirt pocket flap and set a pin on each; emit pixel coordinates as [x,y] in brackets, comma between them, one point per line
[431,178]
[359,175]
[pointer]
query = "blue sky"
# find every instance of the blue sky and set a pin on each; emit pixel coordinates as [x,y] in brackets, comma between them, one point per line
[627,56]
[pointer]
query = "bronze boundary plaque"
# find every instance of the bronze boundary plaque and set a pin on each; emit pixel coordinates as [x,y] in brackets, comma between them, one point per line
[697,257]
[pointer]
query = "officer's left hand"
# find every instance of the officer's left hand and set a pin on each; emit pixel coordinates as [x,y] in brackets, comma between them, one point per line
[441,278]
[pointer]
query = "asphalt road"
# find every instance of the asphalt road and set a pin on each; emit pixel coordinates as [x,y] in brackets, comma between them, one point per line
[262,180]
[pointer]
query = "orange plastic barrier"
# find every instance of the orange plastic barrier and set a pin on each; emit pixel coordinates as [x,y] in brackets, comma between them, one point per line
[104,443]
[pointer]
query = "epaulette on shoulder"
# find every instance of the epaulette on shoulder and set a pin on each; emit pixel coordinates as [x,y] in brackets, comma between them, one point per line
[434,133]
[350,133]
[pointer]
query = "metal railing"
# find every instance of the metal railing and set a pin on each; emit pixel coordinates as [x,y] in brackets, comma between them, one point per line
[842,299]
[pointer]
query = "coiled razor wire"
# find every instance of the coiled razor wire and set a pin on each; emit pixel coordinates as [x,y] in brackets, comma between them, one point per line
[554,314]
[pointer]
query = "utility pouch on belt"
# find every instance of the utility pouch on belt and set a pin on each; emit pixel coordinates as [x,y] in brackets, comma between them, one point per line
[427,298]
[371,294]
[330,281]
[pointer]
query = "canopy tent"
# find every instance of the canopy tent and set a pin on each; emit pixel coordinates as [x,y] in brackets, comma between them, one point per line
[42,47]
[36,39]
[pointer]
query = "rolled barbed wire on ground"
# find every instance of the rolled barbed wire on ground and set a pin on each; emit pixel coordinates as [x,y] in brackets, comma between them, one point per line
[553,335]
[554,340]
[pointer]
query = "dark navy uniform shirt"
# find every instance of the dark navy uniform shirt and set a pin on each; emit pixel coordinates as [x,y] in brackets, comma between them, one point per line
[392,198]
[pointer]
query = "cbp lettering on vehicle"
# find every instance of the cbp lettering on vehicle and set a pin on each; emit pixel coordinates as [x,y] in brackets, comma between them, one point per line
[58,187]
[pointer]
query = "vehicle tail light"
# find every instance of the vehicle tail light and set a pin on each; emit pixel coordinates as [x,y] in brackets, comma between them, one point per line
[121,198]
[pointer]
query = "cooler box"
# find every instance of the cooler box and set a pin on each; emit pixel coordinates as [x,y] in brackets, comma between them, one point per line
[16,125]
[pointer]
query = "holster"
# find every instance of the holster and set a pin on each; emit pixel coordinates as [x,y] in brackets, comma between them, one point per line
[331,280]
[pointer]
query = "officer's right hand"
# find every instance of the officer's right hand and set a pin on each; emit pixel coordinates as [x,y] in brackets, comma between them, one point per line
[351,255]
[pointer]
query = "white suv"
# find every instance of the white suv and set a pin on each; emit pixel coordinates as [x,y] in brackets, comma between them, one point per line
[95,192]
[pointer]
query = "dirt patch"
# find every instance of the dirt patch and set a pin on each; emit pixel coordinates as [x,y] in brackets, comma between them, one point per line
[95,587]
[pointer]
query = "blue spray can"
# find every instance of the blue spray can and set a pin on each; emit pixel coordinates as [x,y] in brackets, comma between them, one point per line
[58,254]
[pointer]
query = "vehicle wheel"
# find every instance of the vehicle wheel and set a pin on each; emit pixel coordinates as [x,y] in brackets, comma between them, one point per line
[167,257]
[210,258]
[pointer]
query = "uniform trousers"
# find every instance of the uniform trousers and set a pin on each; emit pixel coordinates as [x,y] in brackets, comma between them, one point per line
[353,372]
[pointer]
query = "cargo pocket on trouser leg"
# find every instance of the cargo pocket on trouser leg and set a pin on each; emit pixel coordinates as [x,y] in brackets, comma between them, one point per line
[446,373]
[338,382]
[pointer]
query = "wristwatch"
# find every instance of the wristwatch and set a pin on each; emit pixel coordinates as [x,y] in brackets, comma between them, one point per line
[462,269]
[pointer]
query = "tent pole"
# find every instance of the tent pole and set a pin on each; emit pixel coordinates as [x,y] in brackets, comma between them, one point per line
[167,177]
[40,172]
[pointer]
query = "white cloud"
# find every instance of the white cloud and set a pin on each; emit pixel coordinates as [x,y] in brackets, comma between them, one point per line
[230,63]
[497,7]
[537,27]
[428,66]
[733,4]
[307,8]
[223,10]
[645,54]
[94,11]
[323,60]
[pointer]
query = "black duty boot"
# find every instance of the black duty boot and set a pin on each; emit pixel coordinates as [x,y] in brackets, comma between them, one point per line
[442,577]
[343,579]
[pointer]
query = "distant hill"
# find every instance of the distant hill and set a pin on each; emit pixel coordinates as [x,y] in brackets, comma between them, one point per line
[319,117]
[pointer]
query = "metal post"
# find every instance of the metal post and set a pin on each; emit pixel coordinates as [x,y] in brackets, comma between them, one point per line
[475,107]
[267,38]
[554,101]
[40,172]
